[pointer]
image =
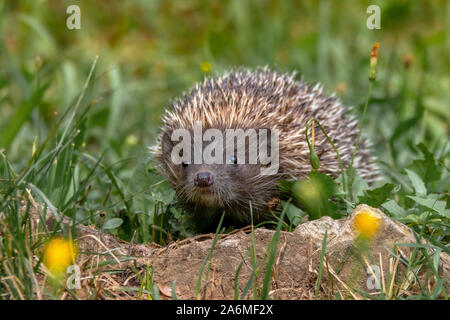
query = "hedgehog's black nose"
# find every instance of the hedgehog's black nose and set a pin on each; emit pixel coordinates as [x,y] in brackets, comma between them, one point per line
[204,179]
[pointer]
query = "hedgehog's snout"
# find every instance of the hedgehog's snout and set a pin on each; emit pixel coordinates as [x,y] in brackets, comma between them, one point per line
[204,179]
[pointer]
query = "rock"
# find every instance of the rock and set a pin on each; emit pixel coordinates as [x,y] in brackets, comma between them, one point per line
[351,262]
[364,253]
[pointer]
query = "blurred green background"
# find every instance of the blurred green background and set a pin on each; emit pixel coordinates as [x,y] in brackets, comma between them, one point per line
[151,51]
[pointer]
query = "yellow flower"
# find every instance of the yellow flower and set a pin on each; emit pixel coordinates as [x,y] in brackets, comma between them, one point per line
[367,223]
[59,253]
[206,67]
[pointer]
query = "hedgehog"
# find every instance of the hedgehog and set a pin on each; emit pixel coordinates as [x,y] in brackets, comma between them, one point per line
[255,101]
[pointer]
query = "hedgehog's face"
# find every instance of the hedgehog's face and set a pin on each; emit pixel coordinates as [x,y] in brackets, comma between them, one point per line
[217,185]
[225,185]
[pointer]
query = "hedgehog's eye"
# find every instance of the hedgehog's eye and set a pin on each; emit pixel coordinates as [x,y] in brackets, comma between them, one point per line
[233,160]
[184,164]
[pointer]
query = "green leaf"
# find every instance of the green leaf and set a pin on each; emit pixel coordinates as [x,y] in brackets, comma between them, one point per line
[402,127]
[376,197]
[413,218]
[354,185]
[285,186]
[432,203]
[112,223]
[427,168]
[393,208]
[417,183]
[394,174]
[314,195]
[357,184]
[294,213]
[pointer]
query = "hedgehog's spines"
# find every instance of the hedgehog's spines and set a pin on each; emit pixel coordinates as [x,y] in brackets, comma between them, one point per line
[245,99]
[258,95]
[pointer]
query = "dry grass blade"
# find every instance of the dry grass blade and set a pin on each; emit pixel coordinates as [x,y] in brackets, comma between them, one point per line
[349,290]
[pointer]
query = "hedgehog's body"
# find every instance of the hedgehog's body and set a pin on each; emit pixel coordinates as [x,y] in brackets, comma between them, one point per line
[255,100]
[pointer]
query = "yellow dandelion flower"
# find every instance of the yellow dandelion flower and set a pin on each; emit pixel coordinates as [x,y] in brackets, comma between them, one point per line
[367,223]
[59,253]
[206,67]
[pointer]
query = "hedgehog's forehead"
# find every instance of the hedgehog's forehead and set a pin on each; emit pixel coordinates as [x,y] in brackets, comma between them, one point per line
[218,115]
[222,119]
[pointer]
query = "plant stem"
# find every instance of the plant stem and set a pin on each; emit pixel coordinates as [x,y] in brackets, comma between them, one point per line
[369,93]
[341,165]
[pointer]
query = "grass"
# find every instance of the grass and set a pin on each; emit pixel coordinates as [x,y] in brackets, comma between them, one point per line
[208,260]
[78,110]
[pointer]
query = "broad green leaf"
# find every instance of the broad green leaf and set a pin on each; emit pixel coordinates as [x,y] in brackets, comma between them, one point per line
[376,197]
[112,223]
[432,203]
[417,183]
[427,168]
[392,207]
[396,176]
[294,213]
[314,195]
